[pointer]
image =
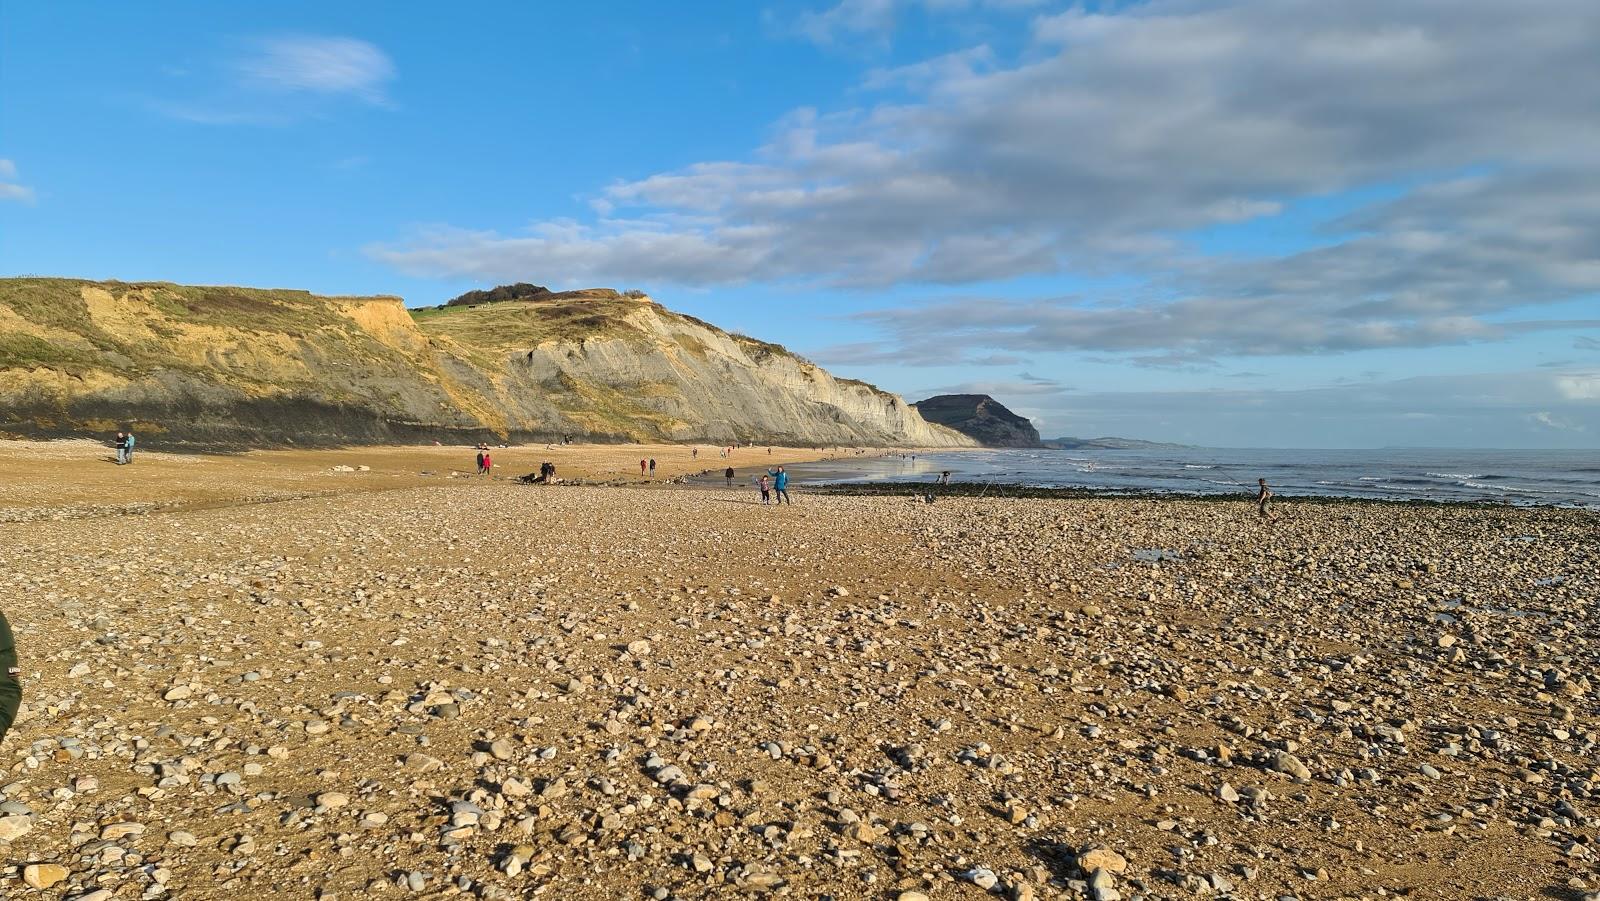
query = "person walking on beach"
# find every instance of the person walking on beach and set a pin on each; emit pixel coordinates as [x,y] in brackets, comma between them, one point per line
[479,470]
[1263,497]
[642,463]
[488,464]
[694,453]
[122,448]
[10,678]
[652,467]
[780,486]
[766,491]
[729,475]
[128,456]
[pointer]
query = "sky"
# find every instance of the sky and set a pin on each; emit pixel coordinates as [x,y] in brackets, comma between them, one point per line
[1269,223]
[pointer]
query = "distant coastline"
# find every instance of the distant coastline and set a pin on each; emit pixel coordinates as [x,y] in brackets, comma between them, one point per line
[1107,443]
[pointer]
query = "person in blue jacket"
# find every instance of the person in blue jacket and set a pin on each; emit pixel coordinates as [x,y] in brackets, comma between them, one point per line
[780,486]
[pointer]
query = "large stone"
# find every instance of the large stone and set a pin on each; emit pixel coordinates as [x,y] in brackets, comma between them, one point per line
[14,827]
[1102,859]
[118,831]
[43,875]
[1290,765]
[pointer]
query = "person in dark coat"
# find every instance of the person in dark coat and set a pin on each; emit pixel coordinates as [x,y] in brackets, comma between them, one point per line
[10,678]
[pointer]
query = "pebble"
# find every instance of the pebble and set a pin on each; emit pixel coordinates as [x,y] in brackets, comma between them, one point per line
[119,831]
[44,875]
[14,827]
[1102,859]
[630,711]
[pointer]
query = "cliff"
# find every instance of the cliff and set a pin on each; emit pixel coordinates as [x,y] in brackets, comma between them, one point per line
[981,418]
[242,366]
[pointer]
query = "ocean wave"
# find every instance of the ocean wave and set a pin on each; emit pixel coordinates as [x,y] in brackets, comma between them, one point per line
[1199,466]
[1455,475]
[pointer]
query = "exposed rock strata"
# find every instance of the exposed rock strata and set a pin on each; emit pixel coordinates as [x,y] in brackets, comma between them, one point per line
[249,366]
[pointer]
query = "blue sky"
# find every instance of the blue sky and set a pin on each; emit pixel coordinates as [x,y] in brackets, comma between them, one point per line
[1284,223]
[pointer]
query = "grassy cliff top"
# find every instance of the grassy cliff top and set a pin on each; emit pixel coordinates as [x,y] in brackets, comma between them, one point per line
[76,325]
[61,303]
[523,323]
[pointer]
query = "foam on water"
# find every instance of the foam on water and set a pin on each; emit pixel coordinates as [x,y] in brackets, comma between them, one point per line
[1565,478]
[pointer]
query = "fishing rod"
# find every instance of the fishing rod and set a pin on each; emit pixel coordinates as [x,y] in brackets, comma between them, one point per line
[1223,471]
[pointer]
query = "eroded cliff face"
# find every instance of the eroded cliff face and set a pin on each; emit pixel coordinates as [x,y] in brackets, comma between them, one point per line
[246,366]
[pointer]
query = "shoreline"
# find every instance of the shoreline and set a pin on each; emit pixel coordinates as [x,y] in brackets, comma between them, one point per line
[998,490]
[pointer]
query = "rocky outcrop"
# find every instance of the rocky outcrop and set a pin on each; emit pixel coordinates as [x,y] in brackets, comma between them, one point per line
[239,366]
[981,418]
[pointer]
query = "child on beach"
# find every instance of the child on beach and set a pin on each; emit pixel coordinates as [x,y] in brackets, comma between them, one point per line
[780,486]
[1263,497]
[766,491]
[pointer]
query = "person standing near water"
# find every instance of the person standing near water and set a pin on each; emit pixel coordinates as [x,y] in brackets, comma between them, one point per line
[1263,497]
[652,467]
[729,475]
[766,491]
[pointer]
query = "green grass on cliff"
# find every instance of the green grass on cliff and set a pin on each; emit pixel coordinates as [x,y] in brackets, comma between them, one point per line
[525,324]
[79,342]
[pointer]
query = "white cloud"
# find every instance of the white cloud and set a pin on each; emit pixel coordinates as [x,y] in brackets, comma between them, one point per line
[10,188]
[281,80]
[1113,137]
[322,65]
[1551,421]
[1579,386]
[877,18]
[847,17]
[1499,409]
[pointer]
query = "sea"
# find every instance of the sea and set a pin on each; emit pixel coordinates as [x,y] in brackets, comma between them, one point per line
[1523,477]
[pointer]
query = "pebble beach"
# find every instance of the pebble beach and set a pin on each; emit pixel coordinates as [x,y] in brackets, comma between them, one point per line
[265,676]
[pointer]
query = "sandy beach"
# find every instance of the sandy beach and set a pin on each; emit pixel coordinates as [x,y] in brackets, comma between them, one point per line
[65,479]
[257,675]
